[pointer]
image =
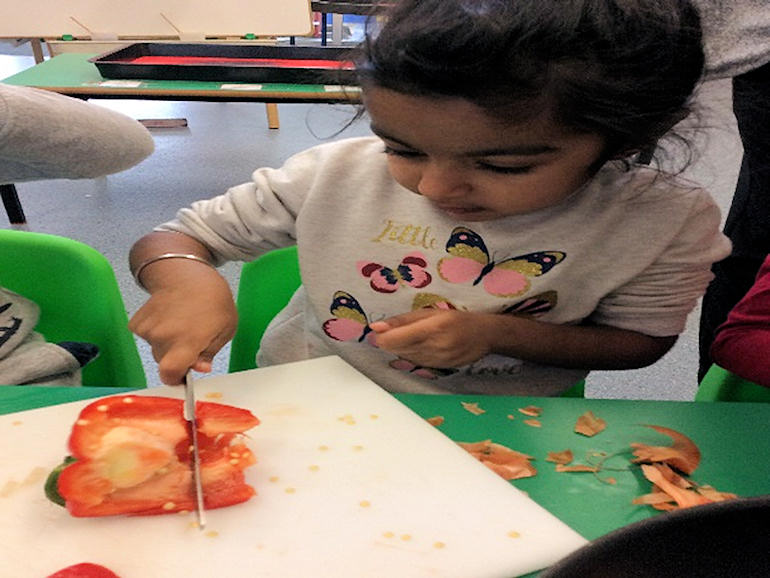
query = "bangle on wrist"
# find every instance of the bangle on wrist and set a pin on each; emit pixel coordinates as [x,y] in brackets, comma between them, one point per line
[163,256]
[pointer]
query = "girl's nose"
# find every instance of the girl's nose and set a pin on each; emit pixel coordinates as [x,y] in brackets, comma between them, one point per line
[439,180]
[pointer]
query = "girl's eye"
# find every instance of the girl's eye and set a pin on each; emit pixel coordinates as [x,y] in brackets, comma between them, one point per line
[401,153]
[506,170]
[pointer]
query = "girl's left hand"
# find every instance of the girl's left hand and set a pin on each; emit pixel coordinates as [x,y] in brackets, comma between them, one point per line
[436,338]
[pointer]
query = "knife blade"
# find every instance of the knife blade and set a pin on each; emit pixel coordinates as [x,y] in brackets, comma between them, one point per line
[189,415]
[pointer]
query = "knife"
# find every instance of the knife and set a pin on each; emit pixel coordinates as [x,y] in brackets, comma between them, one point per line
[189,415]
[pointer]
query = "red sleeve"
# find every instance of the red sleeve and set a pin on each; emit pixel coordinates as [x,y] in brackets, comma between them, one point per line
[742,343]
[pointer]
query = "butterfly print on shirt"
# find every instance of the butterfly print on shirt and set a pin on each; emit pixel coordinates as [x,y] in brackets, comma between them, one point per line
[350,322]
[469,261]
[534,306]
[411,271]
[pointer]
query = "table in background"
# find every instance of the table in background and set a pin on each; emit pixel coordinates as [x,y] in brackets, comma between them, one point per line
[735,450]
[73,75]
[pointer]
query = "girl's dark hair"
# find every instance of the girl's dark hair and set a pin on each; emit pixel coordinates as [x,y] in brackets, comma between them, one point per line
[623,69]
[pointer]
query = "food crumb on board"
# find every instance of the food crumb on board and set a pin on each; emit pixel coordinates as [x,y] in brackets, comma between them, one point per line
[406,537]
[273,479]
[323,448]
[373,416]
[290,490]
[347,419]
[33,477]
[510,416]
[213,395]
[212,534]
[364,503]
[17,422]
[357,448]
[388,535]
[439,545]
[314,468]
[514,534]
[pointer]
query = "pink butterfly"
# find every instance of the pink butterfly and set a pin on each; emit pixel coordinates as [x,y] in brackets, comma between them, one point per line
[410,272]
[534,306]
[421,371]
[349,322]
[469,261]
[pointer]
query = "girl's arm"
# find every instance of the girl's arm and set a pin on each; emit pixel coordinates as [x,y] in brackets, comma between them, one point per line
[455,338]
[190,314]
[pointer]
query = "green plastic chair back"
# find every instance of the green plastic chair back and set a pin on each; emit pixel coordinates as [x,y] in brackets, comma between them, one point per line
[720,384]
[79,299]
[265,287]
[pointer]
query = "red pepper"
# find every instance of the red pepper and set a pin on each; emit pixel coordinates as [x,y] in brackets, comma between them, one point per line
[84,570]
[133,457]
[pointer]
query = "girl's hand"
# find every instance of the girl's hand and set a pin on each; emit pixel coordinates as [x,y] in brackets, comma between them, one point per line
[436,338]
[186,323]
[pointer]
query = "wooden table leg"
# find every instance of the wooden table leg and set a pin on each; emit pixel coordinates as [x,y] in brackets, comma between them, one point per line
[12,205]
[272,115]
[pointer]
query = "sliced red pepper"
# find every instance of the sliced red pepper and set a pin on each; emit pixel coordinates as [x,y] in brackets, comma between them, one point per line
[133,457]
[84,570]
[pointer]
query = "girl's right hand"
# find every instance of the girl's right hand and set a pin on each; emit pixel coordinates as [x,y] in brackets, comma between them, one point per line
[186,322]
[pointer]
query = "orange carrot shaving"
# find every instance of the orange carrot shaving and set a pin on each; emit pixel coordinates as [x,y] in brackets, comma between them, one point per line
[662,476]
[576,468]
[589,425]
[473,407]
[531,410]
[436,420]
[715,495]
[683,455]
[533,422]
[563,457]
[507,463]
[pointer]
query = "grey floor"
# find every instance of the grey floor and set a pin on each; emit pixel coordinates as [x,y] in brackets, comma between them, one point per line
[224,142]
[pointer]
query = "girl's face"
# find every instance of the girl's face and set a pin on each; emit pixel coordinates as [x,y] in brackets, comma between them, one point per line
[475,167]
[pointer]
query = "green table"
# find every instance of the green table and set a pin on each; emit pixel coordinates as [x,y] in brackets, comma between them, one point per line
[73,75]
[733,439]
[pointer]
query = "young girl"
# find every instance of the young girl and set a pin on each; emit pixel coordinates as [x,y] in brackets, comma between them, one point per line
[495,236]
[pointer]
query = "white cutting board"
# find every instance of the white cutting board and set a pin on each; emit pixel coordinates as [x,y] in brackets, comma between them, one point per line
[351,484]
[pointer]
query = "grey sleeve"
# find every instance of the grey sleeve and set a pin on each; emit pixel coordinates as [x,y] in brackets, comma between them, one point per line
[44,135]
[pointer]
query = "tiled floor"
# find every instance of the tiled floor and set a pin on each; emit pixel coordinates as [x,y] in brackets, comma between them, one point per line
[224,142]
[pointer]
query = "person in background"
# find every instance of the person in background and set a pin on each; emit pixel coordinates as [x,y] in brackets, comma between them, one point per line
[496,235]
[737,45]
[742,343]
[44,135]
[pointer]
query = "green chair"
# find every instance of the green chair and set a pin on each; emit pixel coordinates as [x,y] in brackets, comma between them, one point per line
[79,300]
[265,287]
[720,384]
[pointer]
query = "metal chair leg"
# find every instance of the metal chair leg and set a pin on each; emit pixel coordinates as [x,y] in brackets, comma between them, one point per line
[12,204]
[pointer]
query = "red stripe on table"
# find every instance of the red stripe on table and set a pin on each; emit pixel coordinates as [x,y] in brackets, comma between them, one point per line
[265,62]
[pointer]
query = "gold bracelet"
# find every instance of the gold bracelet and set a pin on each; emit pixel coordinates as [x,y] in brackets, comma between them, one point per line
[156,258]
